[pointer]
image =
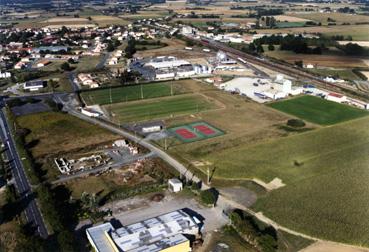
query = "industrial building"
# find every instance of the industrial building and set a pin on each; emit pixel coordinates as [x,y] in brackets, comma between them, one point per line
[166,233]
[262,90]
[336,97]
[168,67]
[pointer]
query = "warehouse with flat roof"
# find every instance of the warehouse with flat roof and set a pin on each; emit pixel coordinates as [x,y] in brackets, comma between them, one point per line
[167,232]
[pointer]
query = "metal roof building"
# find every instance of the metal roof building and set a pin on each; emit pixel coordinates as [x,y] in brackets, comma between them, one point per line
[162,233]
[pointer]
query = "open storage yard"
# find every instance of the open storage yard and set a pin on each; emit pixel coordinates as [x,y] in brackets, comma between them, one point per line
[318,110]
[133,92]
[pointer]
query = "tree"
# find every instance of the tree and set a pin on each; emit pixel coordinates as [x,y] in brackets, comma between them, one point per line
[66,241]
[299,63]
[110,47]
[260,48]
[271,47]
[209,197]
[65,66]
[252,47]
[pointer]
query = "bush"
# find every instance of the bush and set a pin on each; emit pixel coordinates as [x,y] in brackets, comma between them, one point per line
[209,197]
[298,123]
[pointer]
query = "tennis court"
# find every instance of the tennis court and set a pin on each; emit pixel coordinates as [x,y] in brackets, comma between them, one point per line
[195,132]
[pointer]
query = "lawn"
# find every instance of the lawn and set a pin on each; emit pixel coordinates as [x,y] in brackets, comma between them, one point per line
[160,108]
[133,92]
[318,110]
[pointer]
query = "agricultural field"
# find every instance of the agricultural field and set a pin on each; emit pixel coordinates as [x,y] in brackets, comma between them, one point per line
[318,110]
[133,92]
[338,17]
[145,14]
[345,74]
[337,61]
[328,192]
[160,108]
[104,21]
[357,32]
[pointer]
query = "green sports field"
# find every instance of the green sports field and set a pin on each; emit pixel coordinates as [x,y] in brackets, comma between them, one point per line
[159,108]
[131,93]
[318,110]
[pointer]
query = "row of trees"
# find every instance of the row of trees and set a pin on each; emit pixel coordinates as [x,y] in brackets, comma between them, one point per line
[258,234]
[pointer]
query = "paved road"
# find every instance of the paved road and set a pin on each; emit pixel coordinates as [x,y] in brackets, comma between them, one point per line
[73,81]
[22,184]
[102,62]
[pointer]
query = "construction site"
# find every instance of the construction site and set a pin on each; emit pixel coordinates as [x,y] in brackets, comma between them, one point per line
[106,158]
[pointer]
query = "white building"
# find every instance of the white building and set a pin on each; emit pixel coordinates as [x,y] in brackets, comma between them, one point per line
[336,97]
[160,233]
[34,85]
[4,75]
[175,185]
[89,112]
[164,75]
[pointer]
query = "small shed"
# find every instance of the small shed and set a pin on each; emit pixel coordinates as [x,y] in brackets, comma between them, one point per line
[175,185]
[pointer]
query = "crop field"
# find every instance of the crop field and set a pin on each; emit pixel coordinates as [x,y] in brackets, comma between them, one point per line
[338,61]
[290,24]
[328,192]
[358,32]
[345,74]
[318,110]
[103,21]
[338,17]
[132,93]
[160,108]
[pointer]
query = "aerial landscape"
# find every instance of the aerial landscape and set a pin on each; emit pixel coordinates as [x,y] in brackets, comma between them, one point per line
[184,125]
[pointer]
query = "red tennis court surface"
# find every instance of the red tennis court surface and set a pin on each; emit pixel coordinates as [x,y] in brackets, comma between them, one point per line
[204,129]
[185,133]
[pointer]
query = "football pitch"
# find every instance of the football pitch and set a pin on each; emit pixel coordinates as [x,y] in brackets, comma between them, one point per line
[160,108]
[318,110]
[131,93]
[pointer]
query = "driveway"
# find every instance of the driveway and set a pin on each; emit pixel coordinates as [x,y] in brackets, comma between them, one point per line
[141,208]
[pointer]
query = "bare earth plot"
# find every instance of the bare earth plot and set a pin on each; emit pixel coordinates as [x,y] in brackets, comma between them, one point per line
[175,48]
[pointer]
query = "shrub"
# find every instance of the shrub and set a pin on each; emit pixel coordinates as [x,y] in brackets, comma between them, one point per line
[296,123]
[208,197]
